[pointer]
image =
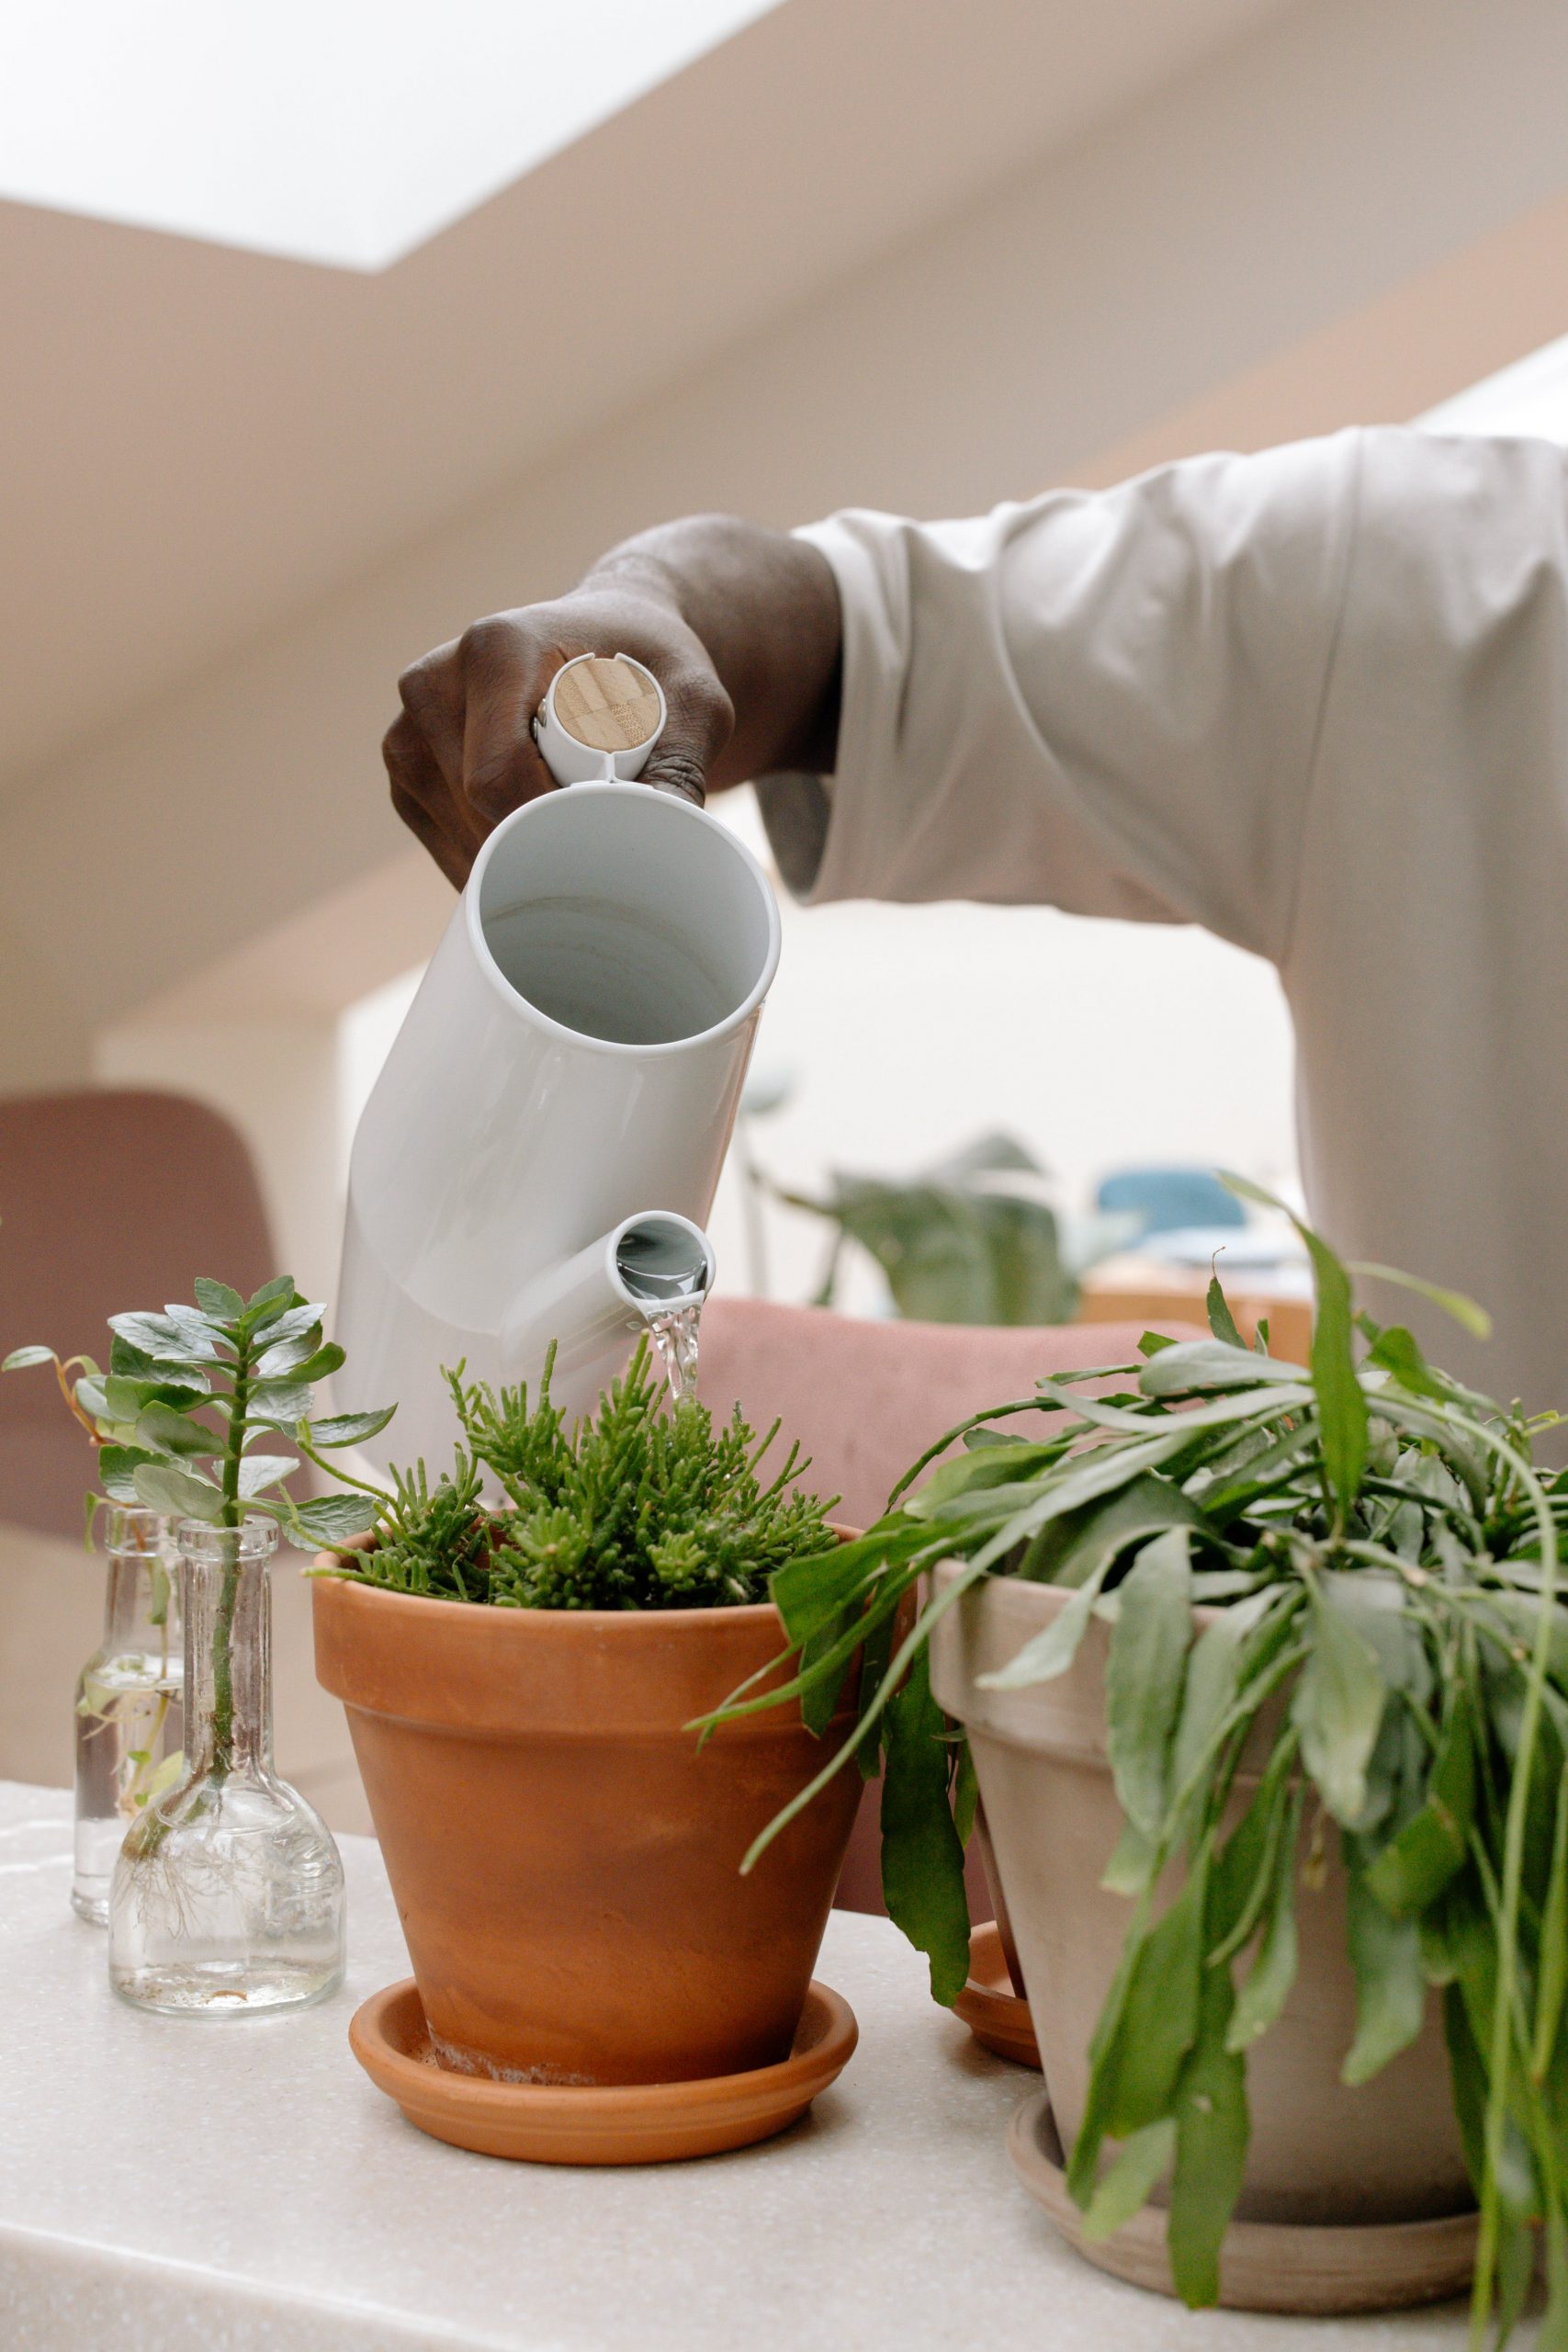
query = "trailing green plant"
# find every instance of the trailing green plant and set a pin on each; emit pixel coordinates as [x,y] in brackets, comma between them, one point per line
[186,1398]
[1381,1551]
[643,1505]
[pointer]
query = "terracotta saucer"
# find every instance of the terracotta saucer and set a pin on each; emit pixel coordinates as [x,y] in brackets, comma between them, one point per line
[553,2123]
[989,2005]
[1264,2265]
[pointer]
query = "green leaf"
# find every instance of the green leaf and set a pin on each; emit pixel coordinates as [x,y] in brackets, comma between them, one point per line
[1222,1322]
[326,1519]
[814,1591]
[1208,1365]
[1337,1708]
[126,1399]
[817,1704]
[159,1340]
[1069,1549]
[164,1431]
[266,1304]
[181,1493]
[288,1356]
[1052,1649]
[284,1402]
[1553,1966]
[1144,2032]
[1466,1312]
[326,1360]
[1213,2128]
[348,1429]
[1246,1871]
[21,1358]
[1391,1984]
[117,1465]
[1415,1866]
[1126,2184]
[1133,1860]
[1274,1971]
[1467,2076]
[1395,1351]
[218,1300]
[259,1471]
[922,1856]
[1341,1401]
[1213,1674]
[1144,1674]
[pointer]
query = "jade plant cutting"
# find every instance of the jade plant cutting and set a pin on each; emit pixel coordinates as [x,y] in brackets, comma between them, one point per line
[636,1507]
[180,1412]
[1379,1551]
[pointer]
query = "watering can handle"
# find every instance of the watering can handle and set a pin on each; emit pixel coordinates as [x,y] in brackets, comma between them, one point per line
[601,718]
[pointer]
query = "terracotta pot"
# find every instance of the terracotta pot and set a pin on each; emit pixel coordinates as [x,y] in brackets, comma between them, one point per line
[563,1854]
[1388,2151]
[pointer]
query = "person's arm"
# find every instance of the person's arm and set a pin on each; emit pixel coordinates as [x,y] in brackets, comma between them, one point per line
[739,625]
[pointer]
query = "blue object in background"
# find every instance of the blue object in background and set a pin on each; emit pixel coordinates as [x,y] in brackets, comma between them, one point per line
[1171,1198]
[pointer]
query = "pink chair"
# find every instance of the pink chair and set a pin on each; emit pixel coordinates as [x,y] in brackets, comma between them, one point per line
[108,1199]
[864,1399]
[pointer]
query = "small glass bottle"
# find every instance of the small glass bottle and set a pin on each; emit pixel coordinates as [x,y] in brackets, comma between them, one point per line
[128,1711]
[227,1893]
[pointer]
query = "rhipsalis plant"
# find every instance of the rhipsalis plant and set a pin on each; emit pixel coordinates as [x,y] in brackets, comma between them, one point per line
[636,1507]
[178,1414]
[1381,1553]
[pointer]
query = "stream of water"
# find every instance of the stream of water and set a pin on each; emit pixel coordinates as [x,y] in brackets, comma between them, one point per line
[674,1332]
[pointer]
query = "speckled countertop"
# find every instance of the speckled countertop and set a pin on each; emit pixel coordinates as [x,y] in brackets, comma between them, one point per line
[185,2186]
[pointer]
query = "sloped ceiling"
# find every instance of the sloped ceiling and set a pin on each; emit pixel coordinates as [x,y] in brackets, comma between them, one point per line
[198,440]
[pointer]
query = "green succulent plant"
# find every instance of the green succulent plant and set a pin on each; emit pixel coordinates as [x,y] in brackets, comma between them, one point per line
[1383,1551]
[643,1505]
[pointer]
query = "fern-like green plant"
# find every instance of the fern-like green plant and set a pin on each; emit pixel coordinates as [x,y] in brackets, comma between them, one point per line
[643,1505]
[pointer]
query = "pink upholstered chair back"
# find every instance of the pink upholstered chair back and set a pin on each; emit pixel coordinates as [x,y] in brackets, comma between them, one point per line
[864,1399]
[108,1199]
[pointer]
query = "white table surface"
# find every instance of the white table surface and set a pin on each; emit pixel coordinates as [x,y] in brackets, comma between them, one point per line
[239,2185]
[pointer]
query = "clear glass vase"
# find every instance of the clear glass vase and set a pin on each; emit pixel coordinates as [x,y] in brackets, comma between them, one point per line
[129,1713]
[227,1893]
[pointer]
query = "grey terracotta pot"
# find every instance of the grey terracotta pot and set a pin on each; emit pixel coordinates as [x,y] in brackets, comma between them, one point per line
[1320,2153]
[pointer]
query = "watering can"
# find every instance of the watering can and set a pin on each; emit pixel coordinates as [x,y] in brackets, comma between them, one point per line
[538,1156]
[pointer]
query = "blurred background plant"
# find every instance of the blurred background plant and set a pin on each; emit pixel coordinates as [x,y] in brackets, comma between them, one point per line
[976,1238]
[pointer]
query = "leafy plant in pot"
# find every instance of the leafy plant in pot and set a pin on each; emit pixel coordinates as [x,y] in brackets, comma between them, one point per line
[521,1646]
[1264,1670]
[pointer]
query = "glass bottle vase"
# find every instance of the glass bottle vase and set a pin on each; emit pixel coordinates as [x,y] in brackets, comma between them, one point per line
[227,1893]
[128,1711]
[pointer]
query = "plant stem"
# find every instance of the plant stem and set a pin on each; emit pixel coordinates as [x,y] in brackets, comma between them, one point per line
[223,1623]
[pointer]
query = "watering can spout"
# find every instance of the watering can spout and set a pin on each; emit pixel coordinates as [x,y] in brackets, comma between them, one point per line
[577,1048]
[589,1305]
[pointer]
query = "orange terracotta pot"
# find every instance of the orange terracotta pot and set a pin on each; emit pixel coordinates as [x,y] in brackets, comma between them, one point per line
[564,1856]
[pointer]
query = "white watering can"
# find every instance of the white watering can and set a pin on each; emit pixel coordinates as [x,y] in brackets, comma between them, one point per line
[540,1151]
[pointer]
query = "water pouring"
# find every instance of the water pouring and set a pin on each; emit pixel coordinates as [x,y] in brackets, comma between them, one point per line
[539,1155]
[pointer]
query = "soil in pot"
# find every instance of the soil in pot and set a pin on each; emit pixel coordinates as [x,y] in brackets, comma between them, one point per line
[564,1854]
[1320,2153]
